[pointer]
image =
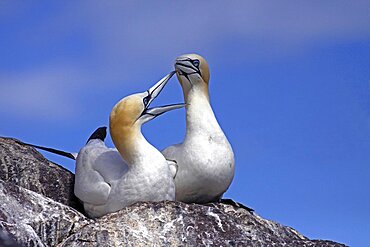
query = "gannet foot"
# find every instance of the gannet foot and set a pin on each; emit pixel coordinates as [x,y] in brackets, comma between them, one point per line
[235,204]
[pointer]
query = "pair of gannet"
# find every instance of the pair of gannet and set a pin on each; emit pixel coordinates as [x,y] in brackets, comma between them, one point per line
[109,179]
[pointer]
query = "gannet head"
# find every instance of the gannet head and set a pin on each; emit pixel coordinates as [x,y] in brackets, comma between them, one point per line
[133,110]
[192,71]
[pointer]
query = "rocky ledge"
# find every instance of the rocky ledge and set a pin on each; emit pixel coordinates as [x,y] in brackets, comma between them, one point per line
[38,208]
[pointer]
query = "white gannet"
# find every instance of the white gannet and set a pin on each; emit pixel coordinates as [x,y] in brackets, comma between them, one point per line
[205,158]
[107,180]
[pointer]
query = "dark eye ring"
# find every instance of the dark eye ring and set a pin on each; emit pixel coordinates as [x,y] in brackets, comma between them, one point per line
[146,100]
[195,63]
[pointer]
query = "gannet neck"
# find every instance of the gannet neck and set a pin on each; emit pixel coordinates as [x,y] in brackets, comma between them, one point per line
[124,128]
[130,142]
[200,118]
[196,90]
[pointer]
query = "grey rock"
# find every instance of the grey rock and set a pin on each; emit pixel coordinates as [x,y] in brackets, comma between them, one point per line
[35,220]
[23,166]
[180,224]
[7,240]
[36,216]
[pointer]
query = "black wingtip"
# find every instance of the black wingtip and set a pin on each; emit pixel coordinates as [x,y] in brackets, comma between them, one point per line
[100,133]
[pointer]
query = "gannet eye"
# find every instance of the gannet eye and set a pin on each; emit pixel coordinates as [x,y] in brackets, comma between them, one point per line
[195,63]
[146,100]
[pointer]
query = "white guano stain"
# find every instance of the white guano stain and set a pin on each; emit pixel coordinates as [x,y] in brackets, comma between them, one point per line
[219,222]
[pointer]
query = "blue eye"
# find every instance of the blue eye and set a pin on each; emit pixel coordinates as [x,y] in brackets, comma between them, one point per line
[195,63]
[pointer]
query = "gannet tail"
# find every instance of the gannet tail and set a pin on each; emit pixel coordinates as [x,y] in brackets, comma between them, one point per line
[100,133]
[51,150]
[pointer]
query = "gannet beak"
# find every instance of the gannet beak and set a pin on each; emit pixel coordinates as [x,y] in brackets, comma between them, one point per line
[153,92]
[156,111]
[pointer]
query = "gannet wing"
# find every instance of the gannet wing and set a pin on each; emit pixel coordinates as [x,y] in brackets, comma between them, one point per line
[110,165]
[90,185]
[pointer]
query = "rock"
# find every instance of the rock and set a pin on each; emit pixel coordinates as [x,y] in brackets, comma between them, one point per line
[180,224]
[6,240]
[35,220]
[36,216]
[23,166]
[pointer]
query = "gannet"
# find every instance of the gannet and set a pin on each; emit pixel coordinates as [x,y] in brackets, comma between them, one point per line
[107,180]
[205,158]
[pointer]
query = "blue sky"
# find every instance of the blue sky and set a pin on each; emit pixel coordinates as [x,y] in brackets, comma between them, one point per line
[290,85]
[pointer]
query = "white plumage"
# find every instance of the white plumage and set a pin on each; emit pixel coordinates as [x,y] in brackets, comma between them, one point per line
[205,158]
[109,179]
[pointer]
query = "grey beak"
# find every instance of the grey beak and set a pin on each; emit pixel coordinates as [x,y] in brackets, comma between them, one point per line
[155,90]
[156,111]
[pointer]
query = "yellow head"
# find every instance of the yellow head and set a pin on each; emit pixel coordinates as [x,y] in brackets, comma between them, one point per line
[193,72]
[126,113]
[131,112]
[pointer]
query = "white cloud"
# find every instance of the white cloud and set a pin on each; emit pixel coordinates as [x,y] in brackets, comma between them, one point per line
[49,93]
[124,34]
[127,37]
[127,40]
[166,27]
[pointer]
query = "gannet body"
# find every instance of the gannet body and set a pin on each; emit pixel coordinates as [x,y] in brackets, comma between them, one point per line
[205,158]
[110,179]
[97,166]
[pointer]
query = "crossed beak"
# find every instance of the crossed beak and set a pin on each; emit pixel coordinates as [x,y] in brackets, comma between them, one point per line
[153,93]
